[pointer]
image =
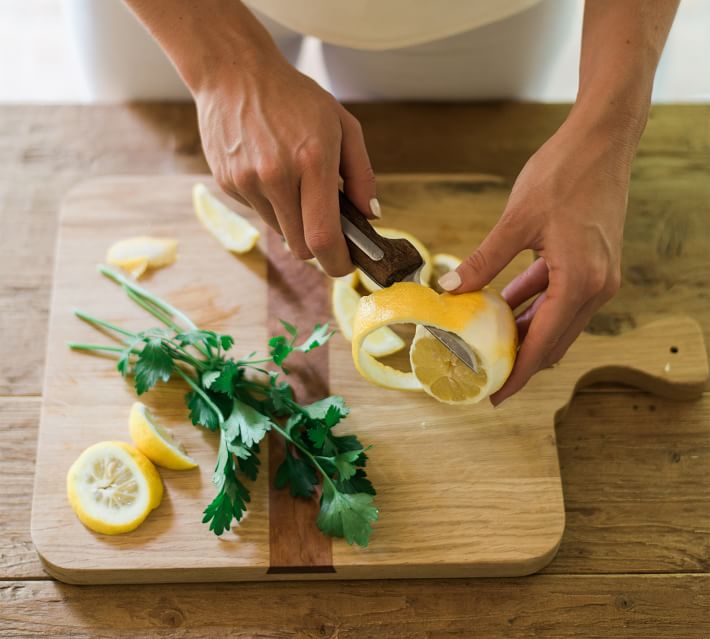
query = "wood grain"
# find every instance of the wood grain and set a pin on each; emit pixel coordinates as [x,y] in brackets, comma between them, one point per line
[555,607]
[296,293]
[52,148]
[626,471]
[488,474]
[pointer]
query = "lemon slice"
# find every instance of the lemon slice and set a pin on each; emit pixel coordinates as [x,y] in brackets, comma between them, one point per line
[112,487]
[157,443]
[381,342]
[442,263]
[137,254]
[233,231]
[424,274]
[482,319]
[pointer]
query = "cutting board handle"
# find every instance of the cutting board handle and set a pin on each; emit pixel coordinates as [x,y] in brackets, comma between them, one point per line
[666,357]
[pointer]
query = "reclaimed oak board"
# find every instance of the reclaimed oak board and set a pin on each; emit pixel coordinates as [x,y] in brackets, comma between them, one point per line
[470,491]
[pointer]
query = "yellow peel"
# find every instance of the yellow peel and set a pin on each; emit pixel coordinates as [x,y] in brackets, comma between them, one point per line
[482,319]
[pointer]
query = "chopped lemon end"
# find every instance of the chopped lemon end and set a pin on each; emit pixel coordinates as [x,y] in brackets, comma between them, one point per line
[156,442]
[138,254]
[232,230]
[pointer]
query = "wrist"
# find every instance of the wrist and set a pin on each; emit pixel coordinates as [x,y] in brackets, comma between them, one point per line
[614,114]
[211,40]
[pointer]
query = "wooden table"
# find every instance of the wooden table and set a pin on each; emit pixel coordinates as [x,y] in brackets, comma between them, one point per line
[635,557]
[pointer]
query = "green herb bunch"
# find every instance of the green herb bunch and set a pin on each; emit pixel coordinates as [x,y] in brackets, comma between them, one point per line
[243,401]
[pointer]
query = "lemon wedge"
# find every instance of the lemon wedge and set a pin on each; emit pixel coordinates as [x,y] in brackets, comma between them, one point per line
[157,443]
[381,342]
[112,487]
[424,274]
[137,254]
[233,231]
[482,319]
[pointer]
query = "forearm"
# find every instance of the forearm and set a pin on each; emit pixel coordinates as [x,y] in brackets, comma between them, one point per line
[622,42]
[204,38]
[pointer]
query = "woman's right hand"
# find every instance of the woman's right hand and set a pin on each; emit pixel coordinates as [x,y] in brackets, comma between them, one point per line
[278,142]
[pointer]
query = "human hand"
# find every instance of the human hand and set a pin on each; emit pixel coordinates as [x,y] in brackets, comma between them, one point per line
[568,204]
[278,142]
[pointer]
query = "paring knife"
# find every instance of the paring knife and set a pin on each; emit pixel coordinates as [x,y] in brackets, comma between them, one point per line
[387,261]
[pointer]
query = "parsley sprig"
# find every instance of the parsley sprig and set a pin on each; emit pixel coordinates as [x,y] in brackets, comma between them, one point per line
[243,401]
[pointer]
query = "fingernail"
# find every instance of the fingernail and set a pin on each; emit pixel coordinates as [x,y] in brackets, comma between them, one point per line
[450,281]
[375,208]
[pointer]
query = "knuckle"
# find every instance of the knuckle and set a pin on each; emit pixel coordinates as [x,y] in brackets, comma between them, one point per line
[310,154]
[319,240]
[300,251]
[271,173]
[596,281]
[244,179]
[612,285]
[476,262]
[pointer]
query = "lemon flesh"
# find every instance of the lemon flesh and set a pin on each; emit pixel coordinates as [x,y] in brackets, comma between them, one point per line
[232,230]
[424,273]
[112,487]
[155,442]
[381,342]
[482,319]
[137,254]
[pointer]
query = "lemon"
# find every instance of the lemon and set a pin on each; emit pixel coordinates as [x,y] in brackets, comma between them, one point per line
[137,254]
[424,274]
[112,487]
[233,231]
[155,442]
[482,319]
[442,263]
[381,342]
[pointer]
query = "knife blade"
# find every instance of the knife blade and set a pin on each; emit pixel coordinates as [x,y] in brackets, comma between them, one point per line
[387,261]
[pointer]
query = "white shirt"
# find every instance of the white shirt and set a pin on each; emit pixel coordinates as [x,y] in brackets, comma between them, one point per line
[386,24]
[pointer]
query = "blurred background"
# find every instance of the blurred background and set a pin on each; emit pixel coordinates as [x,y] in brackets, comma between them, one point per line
[50,54]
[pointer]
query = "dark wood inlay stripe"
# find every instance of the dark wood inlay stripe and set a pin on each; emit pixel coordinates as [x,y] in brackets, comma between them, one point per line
[298,293]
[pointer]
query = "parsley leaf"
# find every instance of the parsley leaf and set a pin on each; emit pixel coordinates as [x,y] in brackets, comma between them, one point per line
[154,363]
[358,483]
[201,413]
[224,382]
[280,347]
[346,514]
[230,503]
[298,474]
[247,423]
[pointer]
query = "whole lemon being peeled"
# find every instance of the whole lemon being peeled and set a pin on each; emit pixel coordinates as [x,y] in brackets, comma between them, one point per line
[482,319]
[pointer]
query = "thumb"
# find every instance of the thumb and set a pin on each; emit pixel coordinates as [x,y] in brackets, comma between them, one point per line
[500,246]
[355,168]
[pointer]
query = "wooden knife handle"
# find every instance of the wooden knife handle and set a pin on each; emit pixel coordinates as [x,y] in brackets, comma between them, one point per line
[400,257]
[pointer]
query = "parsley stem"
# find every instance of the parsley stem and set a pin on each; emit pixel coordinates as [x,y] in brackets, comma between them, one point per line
[139,290]
[196,387]
[95,347]
[104,324]
[306,452]
[152,309]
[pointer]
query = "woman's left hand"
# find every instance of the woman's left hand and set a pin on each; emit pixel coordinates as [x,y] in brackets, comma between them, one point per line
[568,204]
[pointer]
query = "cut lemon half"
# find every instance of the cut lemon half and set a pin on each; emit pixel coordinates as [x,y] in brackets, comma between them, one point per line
[112,487]
[157,443]
[137,254]
[381,342]
[233,231]
[482,319]
[424,273]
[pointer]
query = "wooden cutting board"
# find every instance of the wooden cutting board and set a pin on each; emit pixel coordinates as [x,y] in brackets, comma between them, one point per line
[470,491]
